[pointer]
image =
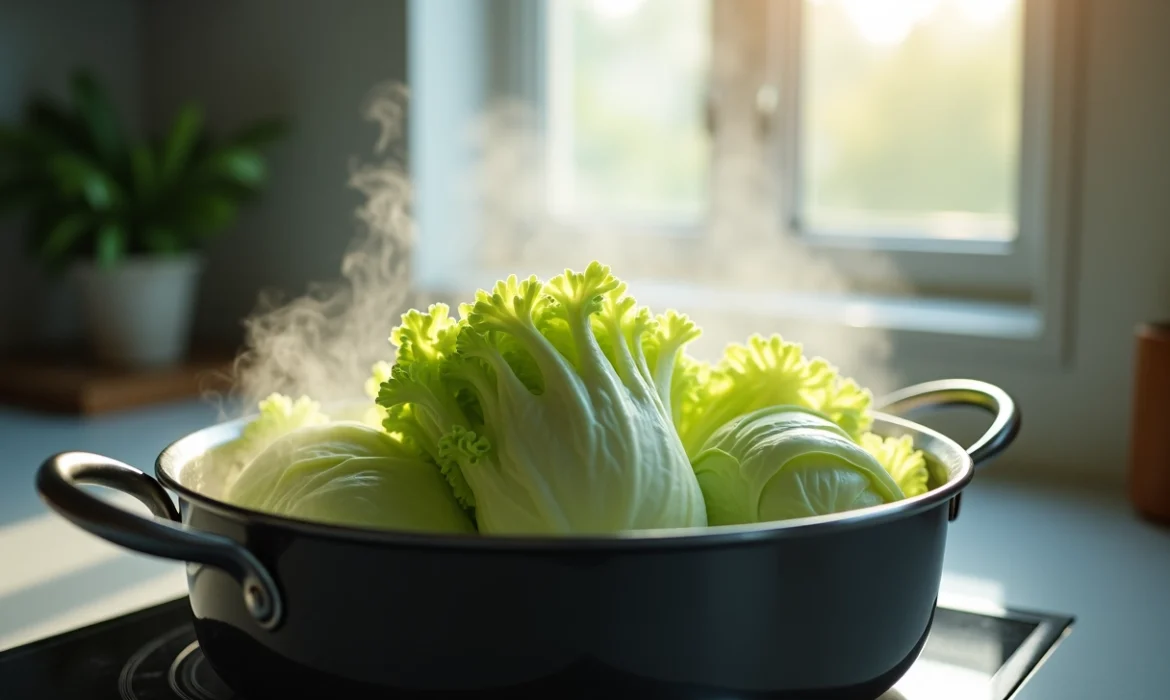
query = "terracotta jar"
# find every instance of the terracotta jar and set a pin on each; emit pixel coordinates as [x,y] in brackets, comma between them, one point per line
[1149,460]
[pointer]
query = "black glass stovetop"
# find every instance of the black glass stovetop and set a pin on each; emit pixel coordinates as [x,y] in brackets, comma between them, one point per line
[152,654]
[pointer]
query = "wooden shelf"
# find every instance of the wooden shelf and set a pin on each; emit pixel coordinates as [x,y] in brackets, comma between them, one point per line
[79,386]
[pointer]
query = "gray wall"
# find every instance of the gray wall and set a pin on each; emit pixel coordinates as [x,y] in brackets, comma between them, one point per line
[40,42]
[312,61]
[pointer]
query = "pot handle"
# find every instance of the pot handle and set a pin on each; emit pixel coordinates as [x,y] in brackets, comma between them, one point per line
[59,480]
[963,392]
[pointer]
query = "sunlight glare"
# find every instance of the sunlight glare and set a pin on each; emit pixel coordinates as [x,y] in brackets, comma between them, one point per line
[616,9]
[888,22]
[974,593]
[985,12]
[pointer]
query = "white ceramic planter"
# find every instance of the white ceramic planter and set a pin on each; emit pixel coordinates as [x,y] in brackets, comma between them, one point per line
[138,313]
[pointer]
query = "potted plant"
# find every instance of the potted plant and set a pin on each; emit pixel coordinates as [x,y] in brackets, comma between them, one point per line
[128,217]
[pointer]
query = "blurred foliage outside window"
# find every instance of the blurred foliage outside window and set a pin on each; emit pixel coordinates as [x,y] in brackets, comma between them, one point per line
[631,81]
[909,112]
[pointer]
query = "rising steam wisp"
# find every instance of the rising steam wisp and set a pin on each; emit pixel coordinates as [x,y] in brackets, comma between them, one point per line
[324,343]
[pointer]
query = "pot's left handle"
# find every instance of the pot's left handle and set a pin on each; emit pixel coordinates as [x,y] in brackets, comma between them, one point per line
[59,480]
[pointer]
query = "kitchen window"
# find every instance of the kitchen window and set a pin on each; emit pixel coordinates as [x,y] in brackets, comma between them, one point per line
[905,146]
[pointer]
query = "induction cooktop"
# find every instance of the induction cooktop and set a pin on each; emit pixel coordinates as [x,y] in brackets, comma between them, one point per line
[972,653]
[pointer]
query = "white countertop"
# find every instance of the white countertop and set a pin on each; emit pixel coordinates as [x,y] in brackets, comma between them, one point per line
[1070,550]
[53,575]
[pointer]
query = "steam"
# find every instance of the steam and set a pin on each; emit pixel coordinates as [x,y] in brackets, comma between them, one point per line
[324,343]
[723,274]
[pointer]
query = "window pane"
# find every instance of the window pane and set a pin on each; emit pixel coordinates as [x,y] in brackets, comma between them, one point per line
[626,89]
[911,117]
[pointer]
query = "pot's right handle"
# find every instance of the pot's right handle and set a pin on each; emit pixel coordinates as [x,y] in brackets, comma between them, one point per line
[963,392]
[59,482]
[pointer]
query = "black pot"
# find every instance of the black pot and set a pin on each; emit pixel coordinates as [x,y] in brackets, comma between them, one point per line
[836,606]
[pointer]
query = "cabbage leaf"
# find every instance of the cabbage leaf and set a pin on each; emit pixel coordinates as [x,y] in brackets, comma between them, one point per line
[277,415]
[765,372]
[898,457]
[783,462]
[348,473]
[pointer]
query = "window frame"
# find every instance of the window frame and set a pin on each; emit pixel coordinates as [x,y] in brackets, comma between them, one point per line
[1027,277]
[930,266]
[994,270]
[520,70]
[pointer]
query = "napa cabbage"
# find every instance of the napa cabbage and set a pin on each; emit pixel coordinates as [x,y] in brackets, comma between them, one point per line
[785,461]
[760,373]
[548,406]
[565,407]
[348,473]
[277,415]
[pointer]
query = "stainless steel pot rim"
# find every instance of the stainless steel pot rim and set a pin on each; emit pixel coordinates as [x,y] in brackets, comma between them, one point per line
[961,470]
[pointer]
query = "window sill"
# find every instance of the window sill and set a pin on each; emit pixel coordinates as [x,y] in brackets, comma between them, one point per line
[929,335]
[943,317]
[869,240]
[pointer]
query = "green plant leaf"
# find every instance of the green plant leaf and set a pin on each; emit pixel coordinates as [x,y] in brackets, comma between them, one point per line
[64,235]
[110,243]
[76,175]
[259,134]
[180,142]
[242,166]
[159,239]
[98,116]
[205,213]
[142,166]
